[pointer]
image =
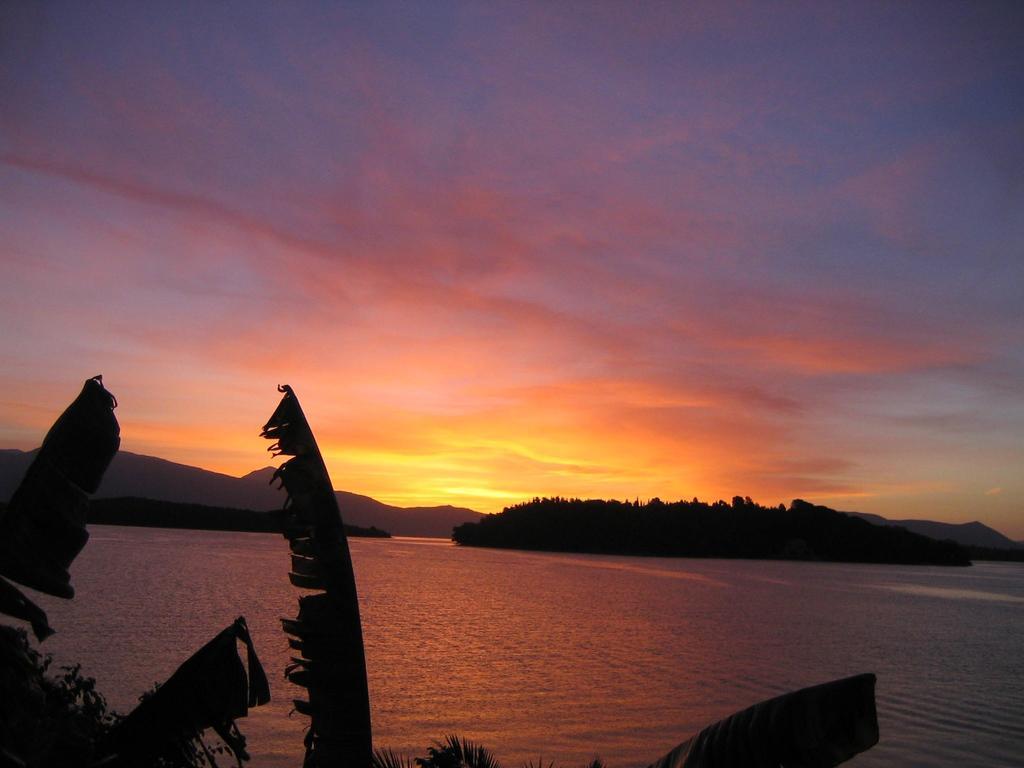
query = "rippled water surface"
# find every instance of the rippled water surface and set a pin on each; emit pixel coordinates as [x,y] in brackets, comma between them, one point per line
[570,656]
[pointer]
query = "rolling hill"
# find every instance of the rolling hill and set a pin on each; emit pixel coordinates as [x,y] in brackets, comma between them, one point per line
[973,534]
[147,477]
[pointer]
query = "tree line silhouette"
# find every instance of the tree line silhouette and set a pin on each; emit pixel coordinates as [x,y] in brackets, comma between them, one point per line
[741,529]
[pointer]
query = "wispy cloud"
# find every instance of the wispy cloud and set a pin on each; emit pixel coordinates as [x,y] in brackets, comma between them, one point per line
[526,249]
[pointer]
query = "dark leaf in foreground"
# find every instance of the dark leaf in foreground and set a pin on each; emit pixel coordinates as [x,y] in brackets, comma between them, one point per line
[42,529]
[327,631]
[816,727]
[14,603]
[210,690]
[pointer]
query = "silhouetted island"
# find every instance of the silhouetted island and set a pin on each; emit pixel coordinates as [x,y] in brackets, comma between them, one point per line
[150,513]
[742,529]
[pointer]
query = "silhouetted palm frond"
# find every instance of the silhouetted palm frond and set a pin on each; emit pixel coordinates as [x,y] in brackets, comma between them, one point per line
[474,755]
[456,752]
[388,758]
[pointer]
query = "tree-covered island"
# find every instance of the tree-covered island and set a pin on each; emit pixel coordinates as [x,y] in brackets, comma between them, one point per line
[742,529]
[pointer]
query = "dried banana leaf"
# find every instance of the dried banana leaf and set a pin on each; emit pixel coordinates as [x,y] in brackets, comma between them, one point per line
[209,690]
[328,626]
[817,727]
[305,581]
[302,546]
[305,565]
[43,528]
[14,603]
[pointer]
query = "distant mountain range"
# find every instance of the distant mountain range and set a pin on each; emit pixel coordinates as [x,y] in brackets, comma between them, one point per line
[147,477]
[972,534]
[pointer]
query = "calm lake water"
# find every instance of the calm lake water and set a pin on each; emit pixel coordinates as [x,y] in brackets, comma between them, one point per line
[570,656]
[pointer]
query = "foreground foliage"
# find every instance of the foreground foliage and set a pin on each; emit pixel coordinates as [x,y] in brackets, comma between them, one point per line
[453,752]
[47,717]
[55,718]
[327,634]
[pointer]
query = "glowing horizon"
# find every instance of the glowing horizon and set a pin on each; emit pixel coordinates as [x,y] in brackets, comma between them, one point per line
[514,251]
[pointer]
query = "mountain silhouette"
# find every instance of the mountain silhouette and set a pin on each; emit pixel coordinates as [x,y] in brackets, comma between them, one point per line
[973,534]
[148,477]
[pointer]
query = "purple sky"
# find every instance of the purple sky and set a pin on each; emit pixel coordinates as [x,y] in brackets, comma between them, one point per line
[506,250]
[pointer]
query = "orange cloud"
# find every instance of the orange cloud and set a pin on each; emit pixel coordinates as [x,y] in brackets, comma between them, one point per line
[587,260]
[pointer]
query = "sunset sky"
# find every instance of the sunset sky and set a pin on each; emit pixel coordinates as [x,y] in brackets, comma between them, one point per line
[503,250]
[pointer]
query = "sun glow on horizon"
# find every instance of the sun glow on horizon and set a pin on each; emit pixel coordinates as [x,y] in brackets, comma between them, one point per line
[539,251]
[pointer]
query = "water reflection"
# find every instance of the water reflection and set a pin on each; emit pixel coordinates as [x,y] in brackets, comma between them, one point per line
[952,593]
[572,656]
